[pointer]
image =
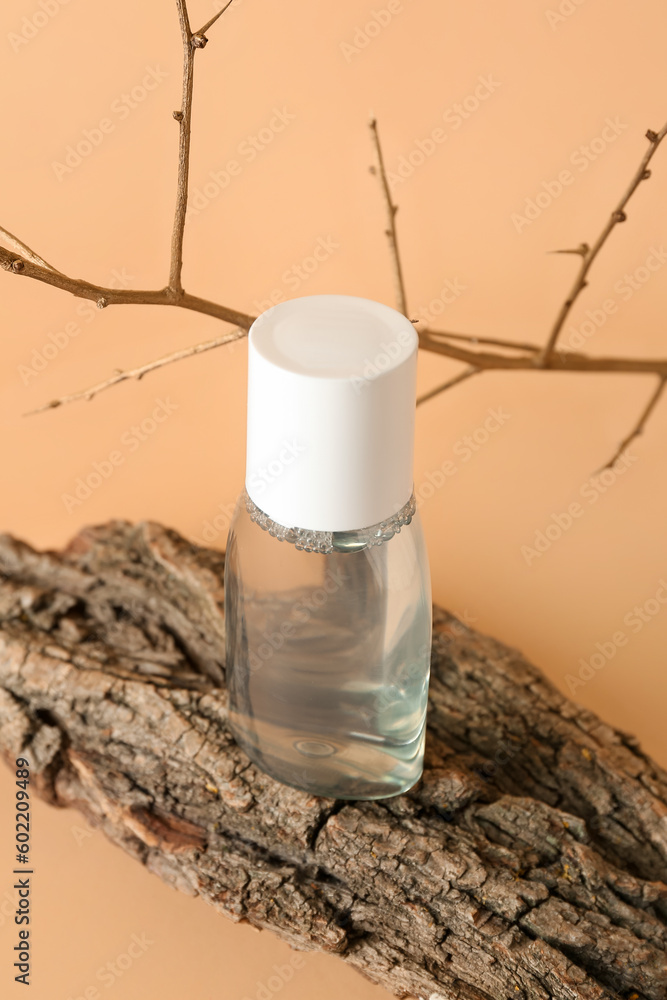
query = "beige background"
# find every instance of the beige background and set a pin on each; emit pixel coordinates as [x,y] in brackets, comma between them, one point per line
[555,79]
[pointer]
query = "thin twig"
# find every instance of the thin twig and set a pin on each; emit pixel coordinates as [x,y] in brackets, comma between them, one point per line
[25,251]
[104,296]
[639,426]
[138,373]
[562,361]
[209,24]
[184,118]
[571,363]
[392,209]
[192,41]
[29,264]
[588,254]
[461,377]
[513,345]
[433,341]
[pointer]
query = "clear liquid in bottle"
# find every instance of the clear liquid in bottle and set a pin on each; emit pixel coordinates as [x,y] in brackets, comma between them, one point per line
[328,652]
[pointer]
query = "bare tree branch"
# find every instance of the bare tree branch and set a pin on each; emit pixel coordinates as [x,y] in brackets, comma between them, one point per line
[138,373]
[120,296]
[588,254]
[191,42]
[562,361]
[184,119]
[29,264]
[639,426]
[476,360]
[521,356]
[513,345]
[25,250]
[549,358]
[211,22]
[392,209]
[461,377]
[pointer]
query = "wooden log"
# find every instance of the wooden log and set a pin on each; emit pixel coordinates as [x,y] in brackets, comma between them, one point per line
[528,863]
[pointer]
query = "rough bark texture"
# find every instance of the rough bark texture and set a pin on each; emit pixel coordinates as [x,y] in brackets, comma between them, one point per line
[526,864]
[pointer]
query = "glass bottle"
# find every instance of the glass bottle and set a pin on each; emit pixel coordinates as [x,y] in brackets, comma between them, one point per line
[327,605]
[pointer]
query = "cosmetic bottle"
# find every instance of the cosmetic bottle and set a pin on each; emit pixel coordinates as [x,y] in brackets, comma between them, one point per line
[327,588]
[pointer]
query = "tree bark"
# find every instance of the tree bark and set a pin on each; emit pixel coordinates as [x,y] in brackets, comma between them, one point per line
[528,863]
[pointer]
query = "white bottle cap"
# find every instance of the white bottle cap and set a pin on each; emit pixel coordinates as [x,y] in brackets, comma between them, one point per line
[331,411]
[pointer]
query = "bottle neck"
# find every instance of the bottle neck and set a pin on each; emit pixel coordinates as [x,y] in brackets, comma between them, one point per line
[332,541]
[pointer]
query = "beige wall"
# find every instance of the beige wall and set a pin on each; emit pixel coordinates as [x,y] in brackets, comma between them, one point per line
[553,84]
